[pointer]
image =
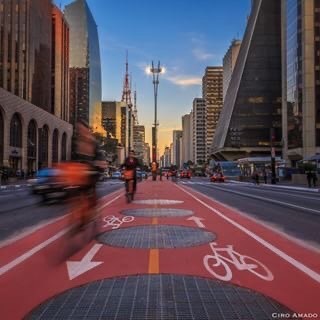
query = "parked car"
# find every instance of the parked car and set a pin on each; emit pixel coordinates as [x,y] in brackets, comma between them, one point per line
[185,174]
[217,177]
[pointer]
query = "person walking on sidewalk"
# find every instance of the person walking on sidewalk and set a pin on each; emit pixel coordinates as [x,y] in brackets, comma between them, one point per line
[265,176]
[314,179]
[154,169]
[309,177]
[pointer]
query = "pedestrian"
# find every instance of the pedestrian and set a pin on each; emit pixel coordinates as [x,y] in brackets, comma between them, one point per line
[309,177]
[314,179]
[154,169]
[265,176]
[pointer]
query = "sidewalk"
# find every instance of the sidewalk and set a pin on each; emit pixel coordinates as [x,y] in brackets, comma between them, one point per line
[171,254]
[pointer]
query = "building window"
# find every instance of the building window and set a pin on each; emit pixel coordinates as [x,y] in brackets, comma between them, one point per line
[64,147]
[16,131]
[43,146]
[32,140]
[55,146]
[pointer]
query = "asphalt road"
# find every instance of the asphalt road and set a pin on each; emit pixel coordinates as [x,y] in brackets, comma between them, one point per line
[294,212]
[20,210]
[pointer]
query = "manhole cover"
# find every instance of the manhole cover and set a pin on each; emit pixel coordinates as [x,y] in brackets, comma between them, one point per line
[157,201]
[156,236]
[163,297]
[157,212]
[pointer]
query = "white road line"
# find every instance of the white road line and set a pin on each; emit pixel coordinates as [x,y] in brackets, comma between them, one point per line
[287,204]
[44,244]
[297,264]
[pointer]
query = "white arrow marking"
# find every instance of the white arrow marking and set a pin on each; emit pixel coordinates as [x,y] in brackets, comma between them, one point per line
[76,268]
[197,220]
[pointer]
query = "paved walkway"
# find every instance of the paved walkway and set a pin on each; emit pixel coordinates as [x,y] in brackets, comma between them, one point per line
[172,254]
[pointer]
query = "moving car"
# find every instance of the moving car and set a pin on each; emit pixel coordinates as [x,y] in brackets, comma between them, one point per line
[217,177]
[185,174]
[48,185]
[116,175]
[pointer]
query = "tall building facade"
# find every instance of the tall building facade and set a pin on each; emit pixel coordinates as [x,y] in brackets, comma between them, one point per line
[85,76]
[301,79]
[252,106]
[229,61]
[60,65]
[111,118]
[30,135]
[187,138]
[176,145]
[139,134]
[212,93]
[199,130]
[25,50]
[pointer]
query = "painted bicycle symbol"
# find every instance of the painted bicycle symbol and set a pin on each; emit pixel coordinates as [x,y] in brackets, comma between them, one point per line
[114,222]
[217,263]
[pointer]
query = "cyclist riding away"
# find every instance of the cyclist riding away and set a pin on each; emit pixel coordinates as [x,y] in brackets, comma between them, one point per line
[130,167]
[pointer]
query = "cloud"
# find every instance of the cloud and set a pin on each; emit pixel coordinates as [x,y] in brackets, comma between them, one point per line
[185,81]
[201,54]
[199,50]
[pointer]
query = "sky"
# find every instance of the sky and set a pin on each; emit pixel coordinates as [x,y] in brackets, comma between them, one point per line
[186,36]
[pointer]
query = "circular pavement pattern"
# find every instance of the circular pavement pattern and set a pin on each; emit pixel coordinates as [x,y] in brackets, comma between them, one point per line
[156,236]
[157,201]
[158,297]
[157,212]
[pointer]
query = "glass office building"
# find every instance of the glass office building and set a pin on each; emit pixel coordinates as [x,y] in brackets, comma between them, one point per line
[252,105]
[301,79]
[85,54]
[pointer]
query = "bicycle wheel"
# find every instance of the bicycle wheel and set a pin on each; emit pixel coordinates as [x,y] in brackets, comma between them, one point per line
[211,262]
[127,218]
[257,268]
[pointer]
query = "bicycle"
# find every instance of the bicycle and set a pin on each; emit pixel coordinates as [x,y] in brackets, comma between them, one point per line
[129,182]
[241,262]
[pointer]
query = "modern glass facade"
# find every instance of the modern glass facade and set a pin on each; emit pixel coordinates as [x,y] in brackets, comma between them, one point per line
[258,103]
[85,53]
[25,55]
[294,73]
[252,106]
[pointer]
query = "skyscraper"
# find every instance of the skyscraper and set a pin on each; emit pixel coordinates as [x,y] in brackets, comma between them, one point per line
[25,50]
[301,79]
[60,65]
[199,130]
[252,104]
[34,85]
[187,138]
[229,61]
[176,144]
[212,94]
[85,67]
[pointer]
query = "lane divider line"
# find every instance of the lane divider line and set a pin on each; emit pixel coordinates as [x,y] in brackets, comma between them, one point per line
[153,261]
[295,263]
[154,253]
[4,269]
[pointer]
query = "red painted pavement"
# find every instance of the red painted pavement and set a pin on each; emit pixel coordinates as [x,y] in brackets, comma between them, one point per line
[40,277]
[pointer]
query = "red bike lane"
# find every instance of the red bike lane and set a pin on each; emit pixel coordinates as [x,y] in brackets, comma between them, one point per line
[242,252]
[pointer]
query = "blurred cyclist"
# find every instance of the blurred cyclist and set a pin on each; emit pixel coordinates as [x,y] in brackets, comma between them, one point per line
[81,177]
[130,167]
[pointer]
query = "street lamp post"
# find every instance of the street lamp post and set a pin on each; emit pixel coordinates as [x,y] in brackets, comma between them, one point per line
[155,74]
